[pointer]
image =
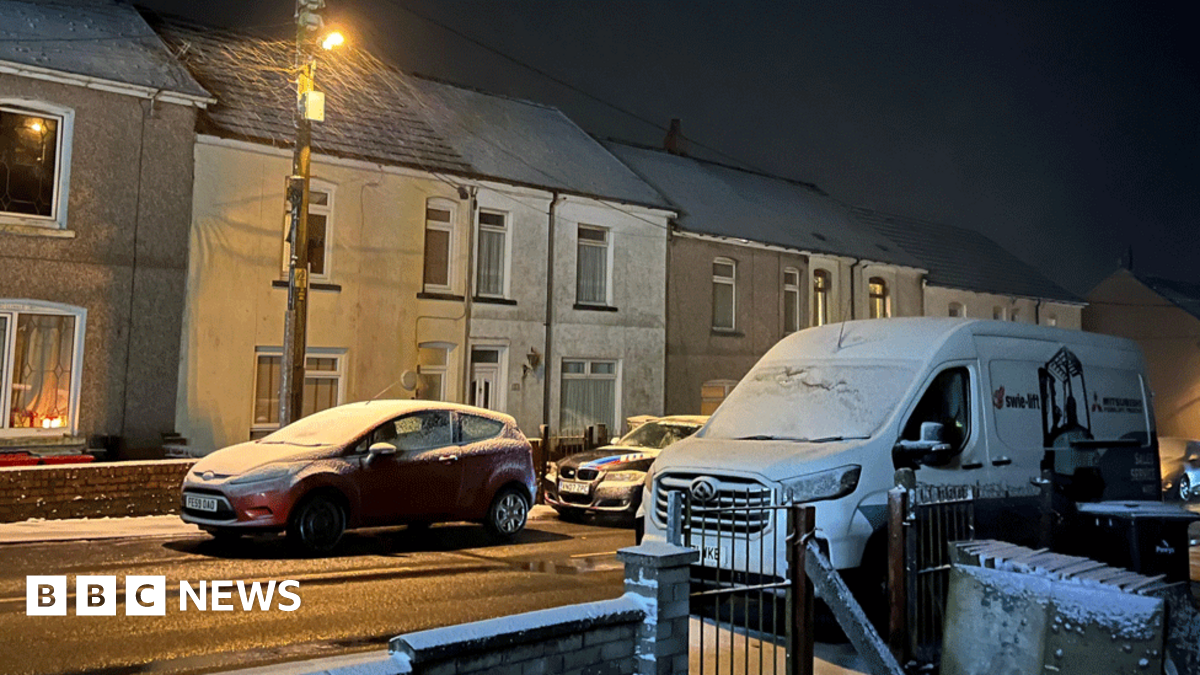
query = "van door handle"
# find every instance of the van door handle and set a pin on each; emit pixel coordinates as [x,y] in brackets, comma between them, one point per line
[1002,461]
[973,465]
[448,459]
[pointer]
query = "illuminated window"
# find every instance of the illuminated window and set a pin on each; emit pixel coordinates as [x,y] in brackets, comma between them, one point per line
[492,254]
[1051,320]
[712,393]
[821,284]
[433,362]
[322,385]
[41,352]
[879,305]
[35,151]
[439,244]
[724,279]
[594,257]
[791,300]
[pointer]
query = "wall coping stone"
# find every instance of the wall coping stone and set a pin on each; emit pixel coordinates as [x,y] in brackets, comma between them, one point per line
[90,466]
[657,554]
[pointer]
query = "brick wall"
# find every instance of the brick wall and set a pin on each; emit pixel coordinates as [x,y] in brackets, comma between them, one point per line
[91,490]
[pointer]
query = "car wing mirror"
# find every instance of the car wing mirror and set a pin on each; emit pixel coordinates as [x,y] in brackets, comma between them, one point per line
[930,450]
[380,449]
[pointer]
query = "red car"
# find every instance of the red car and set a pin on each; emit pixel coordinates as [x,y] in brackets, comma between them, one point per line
[367,464]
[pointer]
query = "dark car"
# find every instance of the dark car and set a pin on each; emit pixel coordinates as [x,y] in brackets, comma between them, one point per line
[609,479]
[367,464]
[1180,459]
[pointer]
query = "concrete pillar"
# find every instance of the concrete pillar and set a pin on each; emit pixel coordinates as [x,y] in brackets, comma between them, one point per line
[658,573]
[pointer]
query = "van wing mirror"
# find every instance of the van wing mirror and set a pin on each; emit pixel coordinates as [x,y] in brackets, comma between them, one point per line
[930,450]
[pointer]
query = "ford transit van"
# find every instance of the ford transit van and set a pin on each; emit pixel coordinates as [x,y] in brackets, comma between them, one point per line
[829,414]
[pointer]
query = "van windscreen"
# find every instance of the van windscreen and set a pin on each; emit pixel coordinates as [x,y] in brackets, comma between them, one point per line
[812,401]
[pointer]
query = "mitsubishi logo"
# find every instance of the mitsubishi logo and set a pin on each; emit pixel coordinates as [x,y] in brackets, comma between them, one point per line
[703,489]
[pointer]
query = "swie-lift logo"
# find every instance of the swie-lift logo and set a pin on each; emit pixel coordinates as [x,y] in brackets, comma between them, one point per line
[147,595]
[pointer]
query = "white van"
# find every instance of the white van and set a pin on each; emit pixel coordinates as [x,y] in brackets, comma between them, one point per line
[830,413]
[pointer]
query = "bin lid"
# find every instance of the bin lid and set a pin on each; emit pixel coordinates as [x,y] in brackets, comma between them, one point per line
[1134,510]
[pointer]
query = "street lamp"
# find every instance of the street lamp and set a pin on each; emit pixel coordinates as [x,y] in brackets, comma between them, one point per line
[310,105]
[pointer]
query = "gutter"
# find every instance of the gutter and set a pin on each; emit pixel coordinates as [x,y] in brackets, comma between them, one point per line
[100,84]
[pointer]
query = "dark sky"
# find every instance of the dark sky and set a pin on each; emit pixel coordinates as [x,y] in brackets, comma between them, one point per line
[1066,131]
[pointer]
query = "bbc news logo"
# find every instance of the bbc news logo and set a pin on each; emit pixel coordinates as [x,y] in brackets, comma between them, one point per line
[147,595]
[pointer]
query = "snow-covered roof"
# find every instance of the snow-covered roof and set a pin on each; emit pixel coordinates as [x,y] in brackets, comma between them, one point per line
[724,201]
[99,39]
[1183,295]
[528,143]
[963,259]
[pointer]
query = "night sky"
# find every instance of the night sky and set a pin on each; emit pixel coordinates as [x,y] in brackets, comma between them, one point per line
[1066,131]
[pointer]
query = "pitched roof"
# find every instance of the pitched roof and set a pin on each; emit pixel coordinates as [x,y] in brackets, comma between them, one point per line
[105,40]
[725,201]
[377,113]
[964,259]
[1182,294]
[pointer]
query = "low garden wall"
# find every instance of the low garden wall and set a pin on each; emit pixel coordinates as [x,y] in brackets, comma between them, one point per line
[91,490]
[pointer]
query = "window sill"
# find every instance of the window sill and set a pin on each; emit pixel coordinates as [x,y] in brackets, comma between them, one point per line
[594,308]
[492,301]
[440,296]
[25,230]
[727,333]
[312,285]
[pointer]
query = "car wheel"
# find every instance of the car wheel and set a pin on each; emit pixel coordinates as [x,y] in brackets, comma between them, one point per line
[508,513]
[1185,487]
[316,526]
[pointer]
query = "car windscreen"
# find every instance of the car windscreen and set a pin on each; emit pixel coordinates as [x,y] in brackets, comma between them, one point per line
[812,401]
[328,427]
[657,435]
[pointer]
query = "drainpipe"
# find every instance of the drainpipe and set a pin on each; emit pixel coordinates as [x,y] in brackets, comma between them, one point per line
[472,207]
[853,303]
[547,359]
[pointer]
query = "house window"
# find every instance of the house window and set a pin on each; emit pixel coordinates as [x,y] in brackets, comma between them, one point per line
[439,244]
[712,393]
[320,215]
[998,313]
[40,362]
[791,300]
[433,360]
[821,284]
[1015,315]
[724,279]
[956,309]
[493,254]
[35,142]
[322,385]
[591,287]
[589,395]
[1051,320]
[877,299]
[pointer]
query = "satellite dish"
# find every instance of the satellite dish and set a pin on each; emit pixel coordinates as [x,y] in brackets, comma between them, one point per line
[408,380]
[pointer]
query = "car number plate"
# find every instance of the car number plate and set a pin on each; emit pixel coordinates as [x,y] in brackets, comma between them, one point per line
[573,488]
[201,503]
[714,555]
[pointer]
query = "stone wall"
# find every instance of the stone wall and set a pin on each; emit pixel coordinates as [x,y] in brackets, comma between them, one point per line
[91,490]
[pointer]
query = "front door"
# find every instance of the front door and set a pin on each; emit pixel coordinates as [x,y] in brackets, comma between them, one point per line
[422,480]
[485,377]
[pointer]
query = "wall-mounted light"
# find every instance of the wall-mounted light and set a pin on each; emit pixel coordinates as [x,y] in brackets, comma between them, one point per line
[532,360]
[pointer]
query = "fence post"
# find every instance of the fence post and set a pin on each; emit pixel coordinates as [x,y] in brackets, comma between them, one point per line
[1046,486]
[896,573]
[802,522]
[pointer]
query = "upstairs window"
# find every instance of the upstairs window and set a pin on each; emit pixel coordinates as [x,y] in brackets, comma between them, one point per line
[957,310]
[821,285]
[791,300]
[439,244]
[724,285]
[34,163]
[998,313]
[878,303]
[320,216]
[594,254]
[493,254]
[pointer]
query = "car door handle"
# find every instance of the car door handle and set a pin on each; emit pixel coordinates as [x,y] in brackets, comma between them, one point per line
[448,459]
[1002,461]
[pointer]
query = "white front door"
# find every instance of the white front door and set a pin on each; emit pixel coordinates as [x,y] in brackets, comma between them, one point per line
[485,378]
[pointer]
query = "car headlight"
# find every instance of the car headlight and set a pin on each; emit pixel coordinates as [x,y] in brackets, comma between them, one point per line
[264,475]
[624,476]
[552,471]
[829,484]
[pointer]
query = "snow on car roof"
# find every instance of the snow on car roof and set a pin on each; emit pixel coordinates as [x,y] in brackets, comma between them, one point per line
[338,423]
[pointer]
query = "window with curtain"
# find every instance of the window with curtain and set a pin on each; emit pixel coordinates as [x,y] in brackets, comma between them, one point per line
[821,284]
[35,141]
[724,289]
[589,395]
[39,381]
[322,386]
[791,300]
[489,279]
[878,305]
[439,230]
[591,286]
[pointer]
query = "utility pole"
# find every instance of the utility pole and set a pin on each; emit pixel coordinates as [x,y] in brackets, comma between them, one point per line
[310,105]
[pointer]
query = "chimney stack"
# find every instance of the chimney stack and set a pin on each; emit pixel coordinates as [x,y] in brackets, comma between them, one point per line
[675,143]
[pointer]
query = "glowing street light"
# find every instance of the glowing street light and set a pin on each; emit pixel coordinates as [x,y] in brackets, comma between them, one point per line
[332,40]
